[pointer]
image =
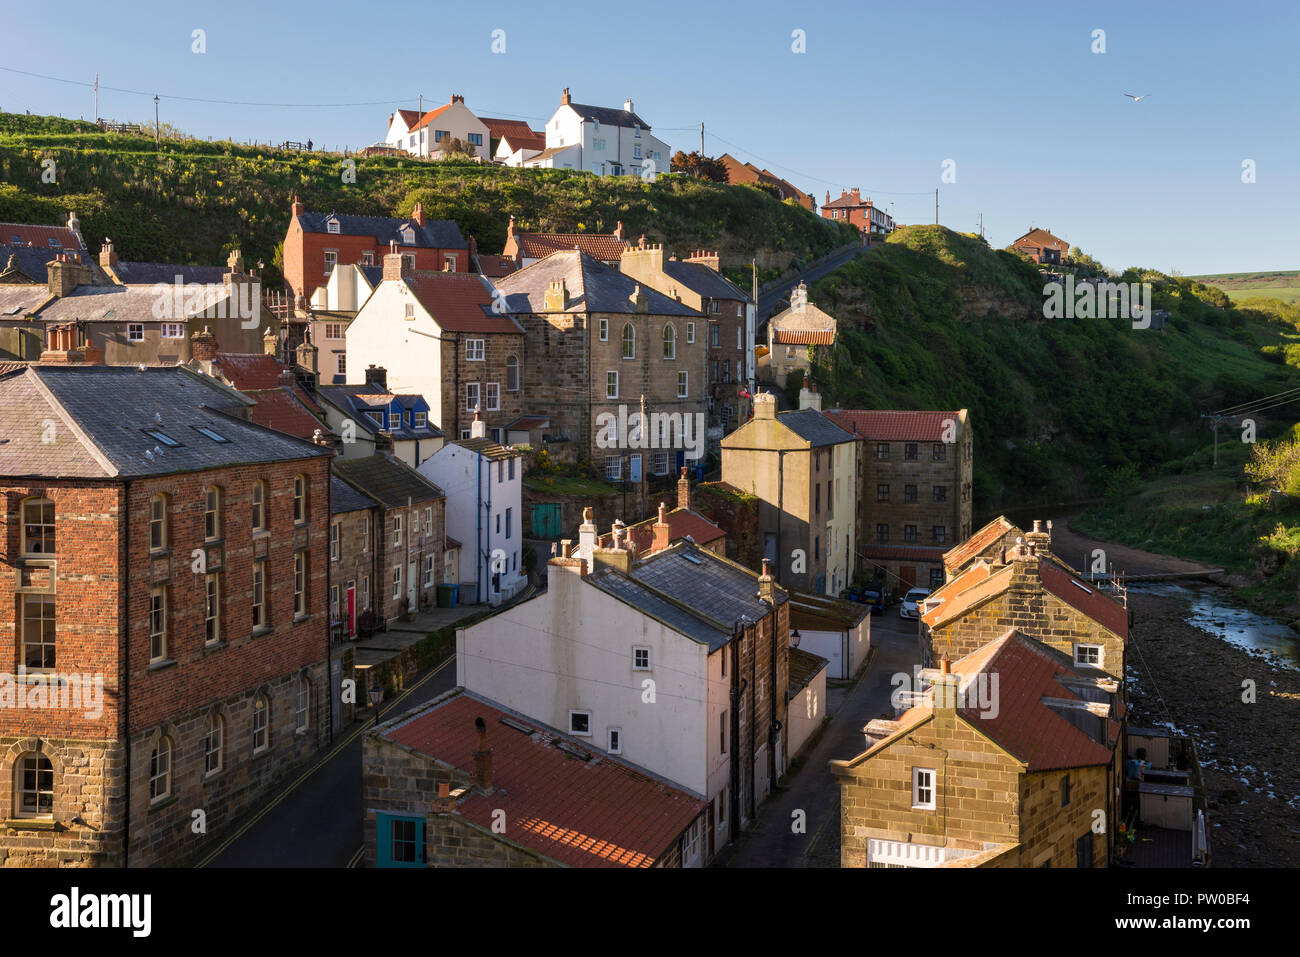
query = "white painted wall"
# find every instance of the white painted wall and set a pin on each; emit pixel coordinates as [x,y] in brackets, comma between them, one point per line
[408,348]
[458,120]
[845,649]
[807,710]
[604,146]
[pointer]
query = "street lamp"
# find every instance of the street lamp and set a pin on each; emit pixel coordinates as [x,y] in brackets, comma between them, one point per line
[376,695]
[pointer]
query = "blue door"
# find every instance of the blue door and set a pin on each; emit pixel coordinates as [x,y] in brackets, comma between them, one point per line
[400,840]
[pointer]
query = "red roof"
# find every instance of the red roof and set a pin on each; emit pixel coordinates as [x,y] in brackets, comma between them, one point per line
[681,522]
[1039,238]
[519,133]
[890,426]
[40,236]
[916,553]
[408,117]
[281,410]
[494,267]
[430,117]
[986,536]
[802,338]
[603,246]
[583,813]
[1100,607]
[459,302]
[257,372]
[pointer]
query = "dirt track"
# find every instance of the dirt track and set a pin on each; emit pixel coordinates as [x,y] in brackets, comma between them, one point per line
[1076,549]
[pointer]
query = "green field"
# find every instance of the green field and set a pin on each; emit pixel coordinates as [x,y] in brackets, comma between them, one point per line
[1242,286]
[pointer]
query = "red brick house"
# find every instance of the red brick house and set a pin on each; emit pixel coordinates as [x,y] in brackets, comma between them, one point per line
[862,213]
[172,558]
[738,172]
[524,249]
[1042,247]
[316,242]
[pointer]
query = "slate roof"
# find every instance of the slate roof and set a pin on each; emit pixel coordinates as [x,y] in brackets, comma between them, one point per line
[609,117]
[21,300]
[30,260]
[487,448]
[133,303]
[100,413]
[345,498]
[374,274]
[703,280]
[164,272]
[606,247]
[824,609]
[386,480]
[659,607]
[804,667]
[592,811]
[592,287]
[460,302]
[434,234]
[712,586]
[890,426]
[356,400]
[814,427]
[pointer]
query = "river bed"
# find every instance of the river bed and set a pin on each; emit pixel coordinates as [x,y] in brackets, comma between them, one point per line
[1213,610]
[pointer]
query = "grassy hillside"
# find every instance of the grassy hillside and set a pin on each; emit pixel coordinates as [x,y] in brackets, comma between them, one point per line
[193,201]
[1063,410]
[1244,287]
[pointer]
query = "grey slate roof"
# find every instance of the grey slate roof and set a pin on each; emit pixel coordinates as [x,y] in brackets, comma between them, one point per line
[817,429]
[97,416]
[713,587]
[487,448]
[345,498]
[30,260]
[18,300]
[592,287]
[134,303]
[386,480]
[658,607]
[374,274]
[610,117]
[703,280]
[357,400]
[166,272]
[434,234]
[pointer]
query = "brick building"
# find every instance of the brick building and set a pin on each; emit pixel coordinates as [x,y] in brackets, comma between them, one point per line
[409,528]
[175,557]
[524,248]
[915,473]
[1042,247]
[1002,760]
[863,213]
[738,172]
[316,242]
[672,525]
[465,782]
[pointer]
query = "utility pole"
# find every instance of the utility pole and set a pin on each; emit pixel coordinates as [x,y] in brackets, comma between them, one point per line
[701,141]
[96,98]
[936,205]
[157,129]
[981,225]
[420,116]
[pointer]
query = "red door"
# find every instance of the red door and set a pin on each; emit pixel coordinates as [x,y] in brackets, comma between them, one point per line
[352,610]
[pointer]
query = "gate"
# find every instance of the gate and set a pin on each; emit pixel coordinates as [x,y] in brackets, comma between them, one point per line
[546,520]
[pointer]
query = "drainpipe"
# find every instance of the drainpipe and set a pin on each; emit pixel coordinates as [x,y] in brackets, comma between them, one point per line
[478,534]
[775,724]
[489,515]
[738,687]
[329,569]
[124,679]
[753,727]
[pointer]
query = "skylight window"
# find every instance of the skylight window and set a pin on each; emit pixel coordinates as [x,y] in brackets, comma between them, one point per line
[54,243]
[163,437]
[214,435]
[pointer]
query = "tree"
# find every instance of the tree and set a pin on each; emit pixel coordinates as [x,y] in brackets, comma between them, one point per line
[699,166]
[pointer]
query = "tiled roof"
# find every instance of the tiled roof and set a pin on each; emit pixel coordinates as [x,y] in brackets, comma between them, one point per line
[19,234]
[250,371]
[804,666]
[166,273]
[101,414]
[21,300]
[529,422]
[794,338]
[681,523]
[815,428]
[459,302]
[977,590]
[916,553]
[603,246]
[434,234]
[487,448]
[1098,606]
[408,117]
[704,280]
[982,539]
[136,303]
[281,409]
[847,201]
[610,117]
[345,498]
[386,480]
[519,134]
[952,590]
[597,812]
[592,287]
[804,319]
[429,117]
[892,426]
[494,267]
[1040,237]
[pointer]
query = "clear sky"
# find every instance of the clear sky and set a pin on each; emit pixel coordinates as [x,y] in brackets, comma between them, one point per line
[1035,122]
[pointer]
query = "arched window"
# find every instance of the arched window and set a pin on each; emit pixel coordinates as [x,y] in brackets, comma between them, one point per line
[212,742]
[302,709]
[160,770]
[211,512]
[38,526]
[629,342]
[299,499]
[158,522]
[35,790]
[261,722]
[259,506]
[512,374]
[670,342]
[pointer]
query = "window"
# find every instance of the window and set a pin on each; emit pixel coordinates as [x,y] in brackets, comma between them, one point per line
[882,493]
[1088,655]
[475,139]
[670,342]
[376,417]
[365,532]
[367,257]
[331,260]
[882,532]
[690,333]
[38,527]
[211,513]
[212,744]
[160,770]
[440,135]
[342,363]
[397,581]
[509,515]
[714,335]
[474,350]
[940,451]
[1065,790]
[408,259]
[493,396]
[157,624]
[299,584]
[1083,851]
[909,451]
[580,723]
[35,786]
[332,227]
[173,330]
[512,468]
[135,332]
[512,374]
[722,729]
[660,463]
[941,493]
[629,342]
[299,499]
[640,658]
[909,493]
[428,571]
[682,390]
[394,421]
[397,528]
[615,741]
[428,520]
[408,311]
[471,396]
[613,468]
[611,385]
[212,608]
[603,326]
[939,534]
[421,419]
[740,341]
[817,499]
[261,717]
[936,578]
[259,506]
[923,788]
[909,533]
[259,594]
[160,436]
[38,632]
[302,706]
[335,531]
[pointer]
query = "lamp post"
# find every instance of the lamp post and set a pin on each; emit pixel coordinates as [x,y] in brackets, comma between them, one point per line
[376,695]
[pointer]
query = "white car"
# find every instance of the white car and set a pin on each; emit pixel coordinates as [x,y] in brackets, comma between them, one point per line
[910,606]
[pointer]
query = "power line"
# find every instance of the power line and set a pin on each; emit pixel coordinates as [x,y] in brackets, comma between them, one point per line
[1245,406]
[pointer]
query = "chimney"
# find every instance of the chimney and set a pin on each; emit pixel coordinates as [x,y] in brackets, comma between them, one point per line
[203,345]
[478,428]
[1038,540]
[377,375]
[108,255]
[564,97]
[809,398]
[712,260]
[764,405]
[619,232]
[586,536]
[394,264]
[270,343]
[74,223]
[61,348]
[557,296]
[943,687]
[63,275]
[444,802]
[306,356]
[799,296]
[482,758]
[627,105]
[661,530]
[639,299]
[766,586]
[683,490]
[235,262]
[616,556]
[828,197]
[457,98]
[417,213]
[297,208]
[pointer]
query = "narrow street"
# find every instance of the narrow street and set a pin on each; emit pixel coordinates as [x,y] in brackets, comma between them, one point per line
[772,842]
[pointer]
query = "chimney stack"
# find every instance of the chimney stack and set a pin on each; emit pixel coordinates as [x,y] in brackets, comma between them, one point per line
[64,275]
[764,405]
[478,428]
[297,208]
[640,299]
[203,345]
[564,97]
[809,397]
[944,687]
[417,213]
[618,231]
[616,556]
[661,530]
[683,490]
[766,586]
[482,758]
[270,342]
[586,536]
[557,296]
[377,375]
[108,255]
[394,263]
[1038,540]
[627,105]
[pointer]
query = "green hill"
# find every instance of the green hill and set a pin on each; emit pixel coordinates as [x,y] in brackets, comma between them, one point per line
[191,201]
[1063,410]
[1243,287]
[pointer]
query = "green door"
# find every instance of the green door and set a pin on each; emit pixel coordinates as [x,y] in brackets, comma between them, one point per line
[401,841]
[546,520]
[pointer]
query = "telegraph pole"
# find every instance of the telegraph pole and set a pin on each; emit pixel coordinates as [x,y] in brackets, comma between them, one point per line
[981,225]
[701,141]
[97,98]
[936,205]
[157,130]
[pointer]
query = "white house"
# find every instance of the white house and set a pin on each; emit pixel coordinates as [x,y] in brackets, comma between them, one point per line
[483,482]
[607,142]
[834,629]
[426,135]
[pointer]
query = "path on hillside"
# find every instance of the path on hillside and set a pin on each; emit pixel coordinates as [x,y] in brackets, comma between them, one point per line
[781,294]
[1076,549]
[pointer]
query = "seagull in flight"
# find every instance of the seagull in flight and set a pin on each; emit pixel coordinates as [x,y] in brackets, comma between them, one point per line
[1137,99]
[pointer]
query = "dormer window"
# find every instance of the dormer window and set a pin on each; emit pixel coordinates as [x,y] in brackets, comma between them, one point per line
[332,226]
[408,236]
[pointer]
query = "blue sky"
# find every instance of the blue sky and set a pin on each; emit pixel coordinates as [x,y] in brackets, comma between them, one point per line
[1036,123]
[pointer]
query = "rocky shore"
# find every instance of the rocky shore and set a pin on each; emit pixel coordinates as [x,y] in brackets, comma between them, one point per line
[1248,751]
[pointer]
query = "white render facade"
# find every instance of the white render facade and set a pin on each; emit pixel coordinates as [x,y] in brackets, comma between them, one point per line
[425,137]
[623,147]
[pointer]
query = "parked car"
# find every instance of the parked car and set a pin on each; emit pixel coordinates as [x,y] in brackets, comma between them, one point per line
[876,598]
[910,608]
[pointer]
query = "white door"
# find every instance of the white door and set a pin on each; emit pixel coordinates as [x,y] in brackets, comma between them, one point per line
[412,588]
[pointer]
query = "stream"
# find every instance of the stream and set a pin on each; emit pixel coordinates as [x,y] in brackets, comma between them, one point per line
[1216,614]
